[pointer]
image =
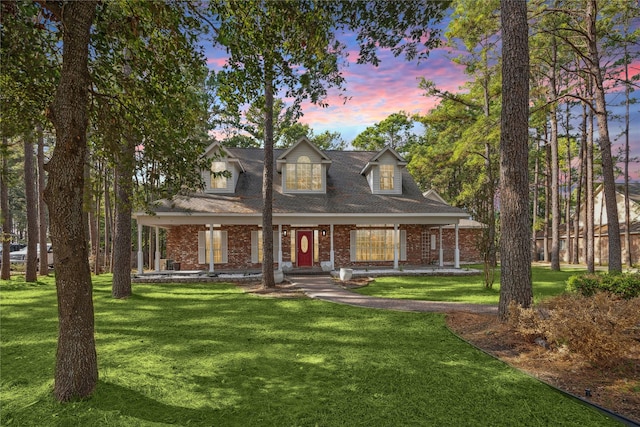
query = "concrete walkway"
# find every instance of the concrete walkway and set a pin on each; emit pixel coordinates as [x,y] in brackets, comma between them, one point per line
[323,287]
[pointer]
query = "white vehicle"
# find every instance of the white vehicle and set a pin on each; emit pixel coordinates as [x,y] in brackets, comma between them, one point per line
[20,257]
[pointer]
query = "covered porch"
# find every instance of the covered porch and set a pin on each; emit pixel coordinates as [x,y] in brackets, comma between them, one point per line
[302,242]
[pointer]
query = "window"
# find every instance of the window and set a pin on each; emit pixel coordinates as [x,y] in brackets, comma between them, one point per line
[256,246]
[219,247]
[219,181]
[386,177]
[304,175]
[372,244]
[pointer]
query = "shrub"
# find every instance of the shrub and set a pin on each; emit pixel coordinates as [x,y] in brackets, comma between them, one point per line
[625,285]
[601,328]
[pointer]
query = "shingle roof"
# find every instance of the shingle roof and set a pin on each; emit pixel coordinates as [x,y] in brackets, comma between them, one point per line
[348,192]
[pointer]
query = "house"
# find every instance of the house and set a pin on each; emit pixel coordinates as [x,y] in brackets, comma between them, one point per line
[601,236]
[330,209]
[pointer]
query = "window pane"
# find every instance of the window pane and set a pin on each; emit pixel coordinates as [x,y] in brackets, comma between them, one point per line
[386,177]
[218,181]
[374,245]
[217,246]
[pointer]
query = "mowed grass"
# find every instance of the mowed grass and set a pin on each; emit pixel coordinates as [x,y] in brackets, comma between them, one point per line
[469,289]
[210,355]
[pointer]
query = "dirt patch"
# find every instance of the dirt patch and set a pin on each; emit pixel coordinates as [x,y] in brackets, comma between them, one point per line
[354,283]
[282,290]
[616,388]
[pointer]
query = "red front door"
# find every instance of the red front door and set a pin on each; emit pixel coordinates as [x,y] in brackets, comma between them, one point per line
[305,248]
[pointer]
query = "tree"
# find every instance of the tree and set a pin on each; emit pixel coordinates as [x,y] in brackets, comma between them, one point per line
[5,273]
[515,256]
[263,40]
[396,131]
[31,273]
[136,106]
[292,47]
[76,372]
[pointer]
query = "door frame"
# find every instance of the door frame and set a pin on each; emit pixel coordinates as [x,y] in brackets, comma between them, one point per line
[299,234]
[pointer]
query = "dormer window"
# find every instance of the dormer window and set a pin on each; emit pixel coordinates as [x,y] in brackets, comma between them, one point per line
[218,181]
[383,172]
[386,177]
[304,175]
[223,174]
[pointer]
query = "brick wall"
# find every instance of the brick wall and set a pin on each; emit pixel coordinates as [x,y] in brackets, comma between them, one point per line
[182,246]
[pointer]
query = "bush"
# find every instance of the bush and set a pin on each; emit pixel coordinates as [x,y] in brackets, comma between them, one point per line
[601,328]
[624,286]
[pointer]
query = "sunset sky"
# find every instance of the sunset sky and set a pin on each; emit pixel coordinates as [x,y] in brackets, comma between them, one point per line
[376,92]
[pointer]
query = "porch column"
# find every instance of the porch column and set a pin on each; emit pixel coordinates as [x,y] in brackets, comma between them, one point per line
[456,259]
[396,242]
[331,252]
[441,255]
[211,254]
[157,255]
[140,260]
[280,247]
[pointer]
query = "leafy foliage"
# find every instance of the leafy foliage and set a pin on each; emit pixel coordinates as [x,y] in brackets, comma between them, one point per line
[396,131]
[623,285]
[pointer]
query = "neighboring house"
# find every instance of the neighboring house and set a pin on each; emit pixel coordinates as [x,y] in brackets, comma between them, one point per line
[331,209]
[601,237]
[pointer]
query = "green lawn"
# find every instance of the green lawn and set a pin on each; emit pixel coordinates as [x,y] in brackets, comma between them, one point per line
[470,289]
[209,355]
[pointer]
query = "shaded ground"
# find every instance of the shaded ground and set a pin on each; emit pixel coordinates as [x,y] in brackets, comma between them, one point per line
[616,388]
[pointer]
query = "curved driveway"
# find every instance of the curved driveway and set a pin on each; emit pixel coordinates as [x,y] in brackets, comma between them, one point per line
[324,288]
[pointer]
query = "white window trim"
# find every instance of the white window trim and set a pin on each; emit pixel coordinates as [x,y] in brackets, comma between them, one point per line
[218,235]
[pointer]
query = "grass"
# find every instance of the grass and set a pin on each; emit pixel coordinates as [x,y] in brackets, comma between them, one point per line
[469,289]
[208,354]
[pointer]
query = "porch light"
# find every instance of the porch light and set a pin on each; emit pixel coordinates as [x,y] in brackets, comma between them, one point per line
[324,233]
[284,233]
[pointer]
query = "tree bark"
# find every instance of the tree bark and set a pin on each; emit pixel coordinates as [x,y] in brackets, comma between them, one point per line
[121,287]
[5,270]
[31,262]
[534,215]
[579,190]
[555,168]
[515,254]
[608,178]
[268,280]
[42,206]
[627,205]
[76,372]
[589,208]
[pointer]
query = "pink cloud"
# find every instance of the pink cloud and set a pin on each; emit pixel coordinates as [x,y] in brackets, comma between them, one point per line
[377,92]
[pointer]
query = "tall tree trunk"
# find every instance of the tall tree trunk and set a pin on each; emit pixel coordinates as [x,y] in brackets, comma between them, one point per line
[515,236]
[107,255]
[547,197]
[567,206]
[627,206]
[122,237]
[42,206]
[31,198]
[555,164]
[5,238]
[590,209]
[579,190]
[536,189]
[76,372]
[268,280]
[608,178]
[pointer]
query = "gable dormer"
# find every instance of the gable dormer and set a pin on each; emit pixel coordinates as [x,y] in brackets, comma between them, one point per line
[303,168]
[384,172]
[222,161]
